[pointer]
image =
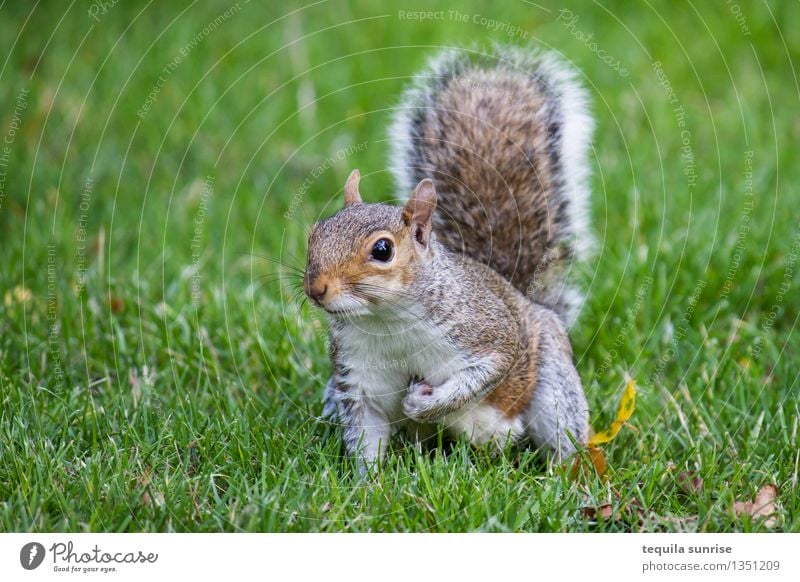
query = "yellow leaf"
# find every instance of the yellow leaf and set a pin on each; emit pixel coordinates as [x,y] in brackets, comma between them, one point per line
[624,412]
[597,459]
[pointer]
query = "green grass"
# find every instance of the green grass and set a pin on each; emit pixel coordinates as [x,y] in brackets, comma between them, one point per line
[127,404]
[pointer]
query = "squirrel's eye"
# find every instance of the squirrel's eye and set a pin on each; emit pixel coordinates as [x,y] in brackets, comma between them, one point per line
[382,250]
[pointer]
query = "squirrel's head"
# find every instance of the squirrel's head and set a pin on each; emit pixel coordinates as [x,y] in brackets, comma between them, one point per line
[364,259]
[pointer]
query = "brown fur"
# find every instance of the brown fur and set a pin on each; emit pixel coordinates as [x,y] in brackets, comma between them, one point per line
[514,394]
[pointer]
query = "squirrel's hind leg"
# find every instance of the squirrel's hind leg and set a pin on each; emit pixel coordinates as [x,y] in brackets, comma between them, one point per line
[558,416]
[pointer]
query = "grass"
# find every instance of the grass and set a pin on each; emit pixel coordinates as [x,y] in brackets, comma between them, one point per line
[152,380]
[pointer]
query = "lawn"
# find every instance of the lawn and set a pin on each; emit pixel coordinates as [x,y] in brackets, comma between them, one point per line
[159,373]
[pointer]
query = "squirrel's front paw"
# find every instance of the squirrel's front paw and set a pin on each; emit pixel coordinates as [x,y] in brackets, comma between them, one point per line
[420,404]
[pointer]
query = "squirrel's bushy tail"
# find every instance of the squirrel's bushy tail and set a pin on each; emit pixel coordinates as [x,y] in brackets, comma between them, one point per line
[505,137]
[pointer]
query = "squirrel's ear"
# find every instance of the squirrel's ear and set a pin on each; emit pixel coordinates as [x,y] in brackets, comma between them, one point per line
[419,210]
[351,195]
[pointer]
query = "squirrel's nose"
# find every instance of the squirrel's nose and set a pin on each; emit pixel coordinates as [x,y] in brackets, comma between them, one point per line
[316,289]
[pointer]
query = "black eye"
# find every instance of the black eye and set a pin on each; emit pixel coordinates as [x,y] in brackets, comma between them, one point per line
[382,250]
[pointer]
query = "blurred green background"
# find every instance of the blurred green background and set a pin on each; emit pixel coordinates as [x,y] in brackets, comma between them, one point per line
[155,374]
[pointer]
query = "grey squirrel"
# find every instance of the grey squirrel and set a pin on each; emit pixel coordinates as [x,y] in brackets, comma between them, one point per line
[453,309]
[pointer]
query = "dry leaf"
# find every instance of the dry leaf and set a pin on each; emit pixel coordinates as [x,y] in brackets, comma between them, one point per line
[598,459]
[763,506]
[595,456]
[603,511]
[624,412]
[690,483]
[593,452]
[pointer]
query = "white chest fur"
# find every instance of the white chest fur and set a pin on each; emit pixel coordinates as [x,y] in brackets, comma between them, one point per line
[384,356]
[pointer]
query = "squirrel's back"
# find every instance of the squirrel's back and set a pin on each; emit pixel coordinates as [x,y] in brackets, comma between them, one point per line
[505,138]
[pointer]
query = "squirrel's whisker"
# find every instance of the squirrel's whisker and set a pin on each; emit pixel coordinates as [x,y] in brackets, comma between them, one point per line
[277,261]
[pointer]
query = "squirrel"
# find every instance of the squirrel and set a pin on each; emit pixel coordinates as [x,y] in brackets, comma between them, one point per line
[453,309]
